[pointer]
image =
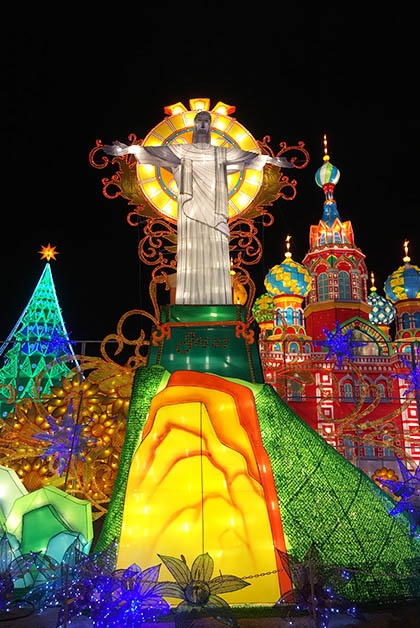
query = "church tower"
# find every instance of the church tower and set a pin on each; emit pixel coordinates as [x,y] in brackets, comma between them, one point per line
[337,266]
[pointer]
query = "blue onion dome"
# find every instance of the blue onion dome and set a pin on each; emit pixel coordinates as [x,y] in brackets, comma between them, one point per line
[403,284]
[327,173]
[289,277]
[382,311]
[263,308]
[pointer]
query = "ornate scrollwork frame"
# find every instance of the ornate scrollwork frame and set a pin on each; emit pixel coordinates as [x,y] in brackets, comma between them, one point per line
[158,246]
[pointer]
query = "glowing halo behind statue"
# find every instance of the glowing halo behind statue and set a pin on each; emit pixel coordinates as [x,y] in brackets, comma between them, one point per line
[159,186]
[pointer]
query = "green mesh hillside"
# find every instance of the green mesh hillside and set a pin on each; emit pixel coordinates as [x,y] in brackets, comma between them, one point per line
[325,500]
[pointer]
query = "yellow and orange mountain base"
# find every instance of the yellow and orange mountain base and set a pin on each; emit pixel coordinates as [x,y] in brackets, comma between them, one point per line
[201,481]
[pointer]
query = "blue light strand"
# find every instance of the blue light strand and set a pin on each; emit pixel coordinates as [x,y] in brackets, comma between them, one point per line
[58,344]
[90,585]
[408,490]
[339,345]
[315,587]
[63,435]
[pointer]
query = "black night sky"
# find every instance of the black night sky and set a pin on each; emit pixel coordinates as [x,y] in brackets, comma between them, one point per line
[292,73]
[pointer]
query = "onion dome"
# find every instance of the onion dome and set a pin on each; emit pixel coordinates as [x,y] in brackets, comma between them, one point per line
[263,308]
[289,277]
[403,283]
[327,174]
[382,311]
[326,177]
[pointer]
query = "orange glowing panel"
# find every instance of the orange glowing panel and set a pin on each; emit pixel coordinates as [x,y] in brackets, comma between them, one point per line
[172,110]
[223,108]
[200,104]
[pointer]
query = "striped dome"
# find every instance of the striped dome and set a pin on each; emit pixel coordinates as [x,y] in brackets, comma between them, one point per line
[403,284]
[263,308]
[289,277]
[327,173]
[382,312]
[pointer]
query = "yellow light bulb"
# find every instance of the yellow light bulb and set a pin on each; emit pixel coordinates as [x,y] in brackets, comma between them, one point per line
[406,259]
[326,155]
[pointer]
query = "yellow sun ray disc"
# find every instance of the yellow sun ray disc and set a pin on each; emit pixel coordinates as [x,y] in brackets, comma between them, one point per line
[158,184]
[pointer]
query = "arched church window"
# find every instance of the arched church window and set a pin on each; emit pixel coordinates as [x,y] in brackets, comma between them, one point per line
[344,285]
[289,316]
[348,390]
[406,321]
[417,320]
[323,293]
[369,451]
[293,347]
[382,390]
[296,317]
[349,448]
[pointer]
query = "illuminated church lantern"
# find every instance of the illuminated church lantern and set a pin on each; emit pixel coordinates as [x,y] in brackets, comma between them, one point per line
[336,264]
[403,288]
[288,283]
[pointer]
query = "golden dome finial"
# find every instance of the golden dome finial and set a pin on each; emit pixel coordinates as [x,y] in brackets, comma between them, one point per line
[48,252]
[406,259]
[288,253]
[326,155]
[372,280]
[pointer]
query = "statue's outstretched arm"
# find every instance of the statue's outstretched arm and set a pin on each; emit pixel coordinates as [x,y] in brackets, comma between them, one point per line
[280,162]
[153,155]
[239,159]
[118,149]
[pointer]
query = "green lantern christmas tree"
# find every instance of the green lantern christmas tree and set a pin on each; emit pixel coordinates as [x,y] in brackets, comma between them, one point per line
[38,339]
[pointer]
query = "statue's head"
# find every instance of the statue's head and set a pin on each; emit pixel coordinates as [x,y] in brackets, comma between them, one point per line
[202,127]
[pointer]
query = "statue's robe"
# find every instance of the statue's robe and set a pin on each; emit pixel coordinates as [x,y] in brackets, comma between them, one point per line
[200,171]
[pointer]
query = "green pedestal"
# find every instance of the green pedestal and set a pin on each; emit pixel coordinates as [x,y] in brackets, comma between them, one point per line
[205,338]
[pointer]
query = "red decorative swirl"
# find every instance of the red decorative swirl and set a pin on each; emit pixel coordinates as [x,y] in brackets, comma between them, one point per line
[245,232]
[264,145]
[288,184]
[284,148]
[163,332]
[242,329]
[105,161]
[114,180]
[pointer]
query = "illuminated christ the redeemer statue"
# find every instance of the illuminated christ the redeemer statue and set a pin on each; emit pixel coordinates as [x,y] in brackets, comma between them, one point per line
[200,171]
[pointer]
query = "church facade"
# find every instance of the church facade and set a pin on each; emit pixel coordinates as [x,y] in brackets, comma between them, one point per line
[345,358]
